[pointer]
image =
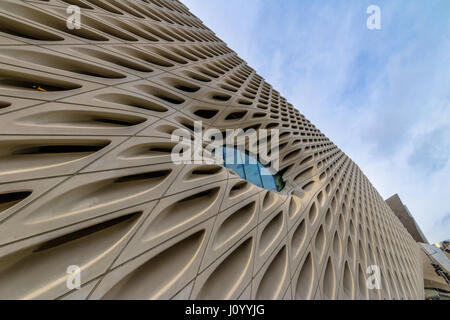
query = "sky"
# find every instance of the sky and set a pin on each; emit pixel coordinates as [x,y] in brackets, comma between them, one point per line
[382,96]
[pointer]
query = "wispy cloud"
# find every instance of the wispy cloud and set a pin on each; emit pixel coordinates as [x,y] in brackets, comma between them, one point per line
[432,151]
[382,96]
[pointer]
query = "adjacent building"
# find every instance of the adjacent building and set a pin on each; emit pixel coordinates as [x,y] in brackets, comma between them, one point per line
[436,272]
[404,215]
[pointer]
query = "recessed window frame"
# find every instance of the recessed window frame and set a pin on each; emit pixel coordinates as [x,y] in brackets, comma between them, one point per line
[252,171]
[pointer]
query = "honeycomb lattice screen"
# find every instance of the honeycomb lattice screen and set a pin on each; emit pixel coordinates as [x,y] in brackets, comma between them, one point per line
[86,177]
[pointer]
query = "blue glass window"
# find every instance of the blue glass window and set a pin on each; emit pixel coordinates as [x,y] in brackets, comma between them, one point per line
[250,169]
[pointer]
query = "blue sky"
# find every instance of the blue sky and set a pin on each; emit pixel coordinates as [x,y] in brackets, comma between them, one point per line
[383,96]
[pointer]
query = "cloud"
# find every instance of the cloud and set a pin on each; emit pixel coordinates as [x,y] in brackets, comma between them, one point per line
[443,223]
[431,151]
[382,96]
[446,219]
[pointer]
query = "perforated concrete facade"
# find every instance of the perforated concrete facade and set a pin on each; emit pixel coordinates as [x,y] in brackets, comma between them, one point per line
[86,176]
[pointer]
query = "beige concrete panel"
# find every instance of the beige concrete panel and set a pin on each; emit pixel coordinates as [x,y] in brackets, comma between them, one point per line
[228,276]
[9,104]
[347,283]
[184,293]
[270,201]
[272,281]
[299,237]
[21,82]
[135,151]
[5,40]
[160,272]
[304,280]
[230,226]
[246,295]
[271,232]
[165,96]
[17,195]
[237,191]
[90,195]
[30,157]
[123,100]
[288,294]
[39,13]
[104,56]
[173,215]
[26,31]
[193,176]
[70,119]
[92,251]
[164,129]
[82,293]
[48,62]
[155,59]
[73,229]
